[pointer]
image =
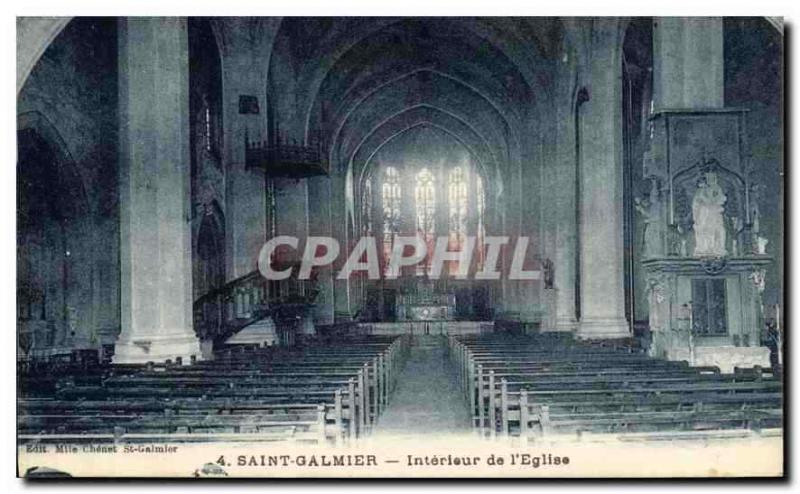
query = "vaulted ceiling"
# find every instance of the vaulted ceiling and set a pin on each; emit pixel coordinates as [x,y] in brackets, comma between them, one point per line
[359,82]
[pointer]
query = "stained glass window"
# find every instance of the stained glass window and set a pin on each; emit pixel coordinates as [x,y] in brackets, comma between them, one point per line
[462,215]
[457,203]
[207,126]
[480,208]
[425,196]
[390,195]
[457,196]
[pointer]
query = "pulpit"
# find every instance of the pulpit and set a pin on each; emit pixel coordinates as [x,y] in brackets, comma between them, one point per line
[705,258]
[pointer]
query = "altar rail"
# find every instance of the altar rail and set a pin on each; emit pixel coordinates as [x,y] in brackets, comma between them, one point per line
[445,328]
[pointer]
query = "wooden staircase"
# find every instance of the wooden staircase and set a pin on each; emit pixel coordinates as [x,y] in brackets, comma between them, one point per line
[223,312]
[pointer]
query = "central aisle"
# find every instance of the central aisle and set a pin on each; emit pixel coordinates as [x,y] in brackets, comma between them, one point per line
[427,399]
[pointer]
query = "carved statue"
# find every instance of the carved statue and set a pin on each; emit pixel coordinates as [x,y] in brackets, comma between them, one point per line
[549,275]
[737,226]
[761,245]
[756,216]
[72,325]
[755,213]
[650,209]
[709,226]
[759,279]
[680,242]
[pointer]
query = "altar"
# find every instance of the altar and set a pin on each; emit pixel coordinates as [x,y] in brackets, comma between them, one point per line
[425,312]
[424,304]
[708,312]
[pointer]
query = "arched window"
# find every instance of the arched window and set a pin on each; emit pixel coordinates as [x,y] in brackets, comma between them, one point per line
[205,94]
[390,195]
[457,196]
[366,208]
[425,196]
[480,208]
[208,127]
[457,202]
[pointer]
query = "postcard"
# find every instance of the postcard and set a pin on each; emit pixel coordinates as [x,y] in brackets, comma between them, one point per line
[400,247]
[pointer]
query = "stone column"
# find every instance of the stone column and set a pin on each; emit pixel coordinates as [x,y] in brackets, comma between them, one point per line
[155,241]
[319,224]
[564,210]
[535,223]
[341,187]
[688,62]
[512,205]
[601,246]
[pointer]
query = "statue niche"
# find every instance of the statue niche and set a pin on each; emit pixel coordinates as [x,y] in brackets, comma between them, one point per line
[710,212]
[708,207]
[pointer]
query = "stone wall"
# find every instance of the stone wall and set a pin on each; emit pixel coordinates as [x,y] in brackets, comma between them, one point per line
[754,80]
[73,88]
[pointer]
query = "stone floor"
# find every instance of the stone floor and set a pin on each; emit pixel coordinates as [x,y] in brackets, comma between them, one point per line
[427,399]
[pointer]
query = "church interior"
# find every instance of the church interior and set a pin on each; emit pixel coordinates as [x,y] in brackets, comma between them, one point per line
[641,159]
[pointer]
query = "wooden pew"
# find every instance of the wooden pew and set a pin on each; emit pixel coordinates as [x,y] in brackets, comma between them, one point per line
[535,387]
[117,413]
[308,394]
[532,416]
